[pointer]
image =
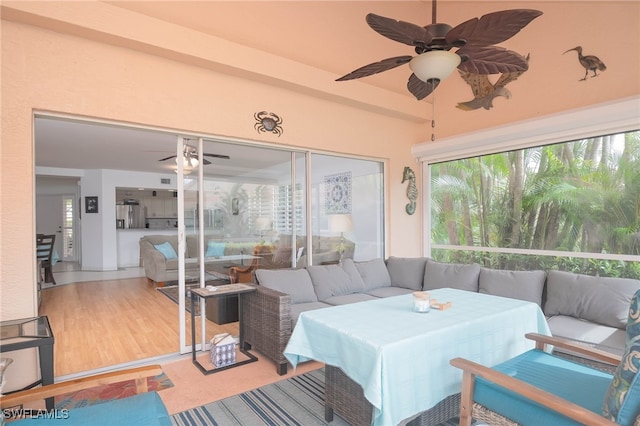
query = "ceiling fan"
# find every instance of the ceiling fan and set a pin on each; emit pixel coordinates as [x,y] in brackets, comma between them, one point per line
[190,154]
[473,39]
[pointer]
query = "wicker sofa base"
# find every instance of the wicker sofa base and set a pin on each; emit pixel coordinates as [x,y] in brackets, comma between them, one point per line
[346,398]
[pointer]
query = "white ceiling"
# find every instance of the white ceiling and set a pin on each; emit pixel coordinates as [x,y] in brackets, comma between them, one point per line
[60,143]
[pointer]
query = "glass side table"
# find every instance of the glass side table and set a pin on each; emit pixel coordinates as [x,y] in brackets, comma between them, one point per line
[28,333]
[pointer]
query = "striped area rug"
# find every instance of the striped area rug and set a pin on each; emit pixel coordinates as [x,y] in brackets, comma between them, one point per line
[298,400]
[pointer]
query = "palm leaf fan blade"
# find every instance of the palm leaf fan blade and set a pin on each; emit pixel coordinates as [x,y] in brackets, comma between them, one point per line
[400,31]
[376,67]
[492,28]
[421,89]
[491,60]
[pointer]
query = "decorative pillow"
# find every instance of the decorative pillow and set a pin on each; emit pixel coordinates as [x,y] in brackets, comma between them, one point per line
[335,280]
[621,402]
[374,274]
[598,299]
[167,250]
[215,249]
[451,275]
[295,282]
[406,272]
[522,285]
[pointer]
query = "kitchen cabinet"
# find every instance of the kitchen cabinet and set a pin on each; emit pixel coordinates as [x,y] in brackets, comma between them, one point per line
[161,207]
[154,206]
[171,207]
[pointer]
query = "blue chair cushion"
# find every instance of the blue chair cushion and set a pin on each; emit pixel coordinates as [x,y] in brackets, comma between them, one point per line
[622,403]
[142,409]
[569,380]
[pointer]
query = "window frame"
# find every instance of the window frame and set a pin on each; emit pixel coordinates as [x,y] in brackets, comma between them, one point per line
[618,116]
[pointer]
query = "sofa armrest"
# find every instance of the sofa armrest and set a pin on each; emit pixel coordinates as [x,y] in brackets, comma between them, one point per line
[267,324]
[543,341]
[155,264]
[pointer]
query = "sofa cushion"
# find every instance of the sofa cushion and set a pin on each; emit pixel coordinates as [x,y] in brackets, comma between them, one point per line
[601,300]
[451,275]
[389,291]
[298,308]
[374,274]
[335,280]
[609,339]
[167,250]
[406,272]
[523,285]
[295,282]
[345,299]
[215,249]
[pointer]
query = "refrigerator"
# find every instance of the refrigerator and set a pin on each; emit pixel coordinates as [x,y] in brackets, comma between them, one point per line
[130,216]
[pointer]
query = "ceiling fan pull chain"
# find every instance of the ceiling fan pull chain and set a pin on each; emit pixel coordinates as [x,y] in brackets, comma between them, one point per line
[433,118]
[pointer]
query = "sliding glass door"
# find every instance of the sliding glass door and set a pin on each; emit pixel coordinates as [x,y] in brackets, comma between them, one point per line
[244,207]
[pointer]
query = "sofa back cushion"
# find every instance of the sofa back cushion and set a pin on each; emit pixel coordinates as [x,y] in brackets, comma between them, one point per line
[407,272]
[336,280]
[374,274]
[155,240]
[295,282]
[451,275]
[215,248]
[601,300]
[523,285]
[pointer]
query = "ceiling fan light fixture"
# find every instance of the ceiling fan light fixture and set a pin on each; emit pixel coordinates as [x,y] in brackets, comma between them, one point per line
[434,65]
[190,162]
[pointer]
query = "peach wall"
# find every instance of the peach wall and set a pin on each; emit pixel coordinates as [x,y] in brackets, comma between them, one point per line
[97,60]
[48,71]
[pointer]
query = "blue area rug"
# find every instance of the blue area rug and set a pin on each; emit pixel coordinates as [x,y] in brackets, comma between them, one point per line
[298,400]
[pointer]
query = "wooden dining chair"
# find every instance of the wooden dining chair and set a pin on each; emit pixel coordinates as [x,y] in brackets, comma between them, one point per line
[44,252]
[538,387]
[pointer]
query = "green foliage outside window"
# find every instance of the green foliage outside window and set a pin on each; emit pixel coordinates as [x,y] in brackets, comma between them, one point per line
[581,197]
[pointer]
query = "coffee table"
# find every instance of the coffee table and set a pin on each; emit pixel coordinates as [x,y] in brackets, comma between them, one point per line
[400,358]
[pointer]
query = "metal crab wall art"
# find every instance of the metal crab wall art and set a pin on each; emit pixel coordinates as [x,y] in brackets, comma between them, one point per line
[268,122]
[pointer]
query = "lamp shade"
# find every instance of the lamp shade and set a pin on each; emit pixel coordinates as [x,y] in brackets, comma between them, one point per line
[340,223]
[435,64]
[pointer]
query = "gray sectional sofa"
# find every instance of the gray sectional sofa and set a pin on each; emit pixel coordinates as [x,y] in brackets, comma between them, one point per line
[579,307]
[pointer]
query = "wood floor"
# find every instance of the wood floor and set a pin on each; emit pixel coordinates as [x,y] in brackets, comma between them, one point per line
[103,323]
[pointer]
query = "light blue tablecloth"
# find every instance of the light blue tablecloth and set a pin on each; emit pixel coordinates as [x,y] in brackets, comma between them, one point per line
[401,358]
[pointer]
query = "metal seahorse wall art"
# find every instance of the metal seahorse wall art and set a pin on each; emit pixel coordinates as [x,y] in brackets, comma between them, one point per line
[412,189]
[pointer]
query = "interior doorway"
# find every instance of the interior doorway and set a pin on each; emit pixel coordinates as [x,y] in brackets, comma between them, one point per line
[57,214]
